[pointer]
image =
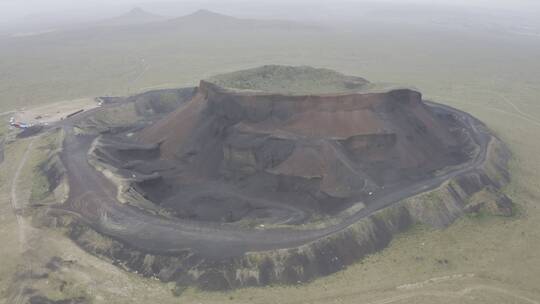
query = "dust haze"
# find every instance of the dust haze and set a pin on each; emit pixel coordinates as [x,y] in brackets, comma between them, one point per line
[275,151]
[40,16]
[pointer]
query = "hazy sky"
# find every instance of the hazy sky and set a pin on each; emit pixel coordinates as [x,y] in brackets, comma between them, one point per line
[47,11]
[19,8]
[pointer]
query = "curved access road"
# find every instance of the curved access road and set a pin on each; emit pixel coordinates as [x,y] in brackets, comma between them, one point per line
[93,198]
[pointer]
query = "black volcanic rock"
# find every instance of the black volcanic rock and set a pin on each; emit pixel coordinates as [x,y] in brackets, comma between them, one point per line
[245,149]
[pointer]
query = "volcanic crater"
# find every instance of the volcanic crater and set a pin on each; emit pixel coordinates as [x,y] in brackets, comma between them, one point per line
[261,151]
[280,174]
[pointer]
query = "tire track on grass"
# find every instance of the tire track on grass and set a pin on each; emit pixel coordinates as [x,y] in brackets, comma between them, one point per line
[457,294]
[21,223]
[516,108]
[534,122]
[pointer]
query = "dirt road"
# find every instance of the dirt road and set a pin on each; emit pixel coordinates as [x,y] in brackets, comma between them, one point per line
[93,198]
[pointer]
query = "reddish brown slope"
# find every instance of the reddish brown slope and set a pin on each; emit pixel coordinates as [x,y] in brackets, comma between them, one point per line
[373,137]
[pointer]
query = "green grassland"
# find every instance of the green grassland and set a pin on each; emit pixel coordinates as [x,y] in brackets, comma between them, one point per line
[41,188]
[57,66]
[494,77]
[290,80]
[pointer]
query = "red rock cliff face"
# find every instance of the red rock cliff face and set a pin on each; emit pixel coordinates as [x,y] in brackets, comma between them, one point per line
[341,145]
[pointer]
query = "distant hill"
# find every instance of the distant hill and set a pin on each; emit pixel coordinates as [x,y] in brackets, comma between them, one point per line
[138,21]
[133,51]
[136,16]
[207,19]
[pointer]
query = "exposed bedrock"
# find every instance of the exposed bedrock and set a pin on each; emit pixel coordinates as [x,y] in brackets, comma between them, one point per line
[254,155]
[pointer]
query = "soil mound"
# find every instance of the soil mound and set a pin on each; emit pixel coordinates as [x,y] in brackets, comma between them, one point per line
[244,148]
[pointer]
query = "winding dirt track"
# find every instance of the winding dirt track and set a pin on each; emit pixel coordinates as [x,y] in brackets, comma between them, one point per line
[21,223]
[92,197]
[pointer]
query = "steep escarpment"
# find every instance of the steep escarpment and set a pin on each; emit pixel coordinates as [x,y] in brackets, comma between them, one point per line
[319,153]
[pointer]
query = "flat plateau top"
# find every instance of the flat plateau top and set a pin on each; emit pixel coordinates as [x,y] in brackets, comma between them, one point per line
[290,80]
[297,80]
